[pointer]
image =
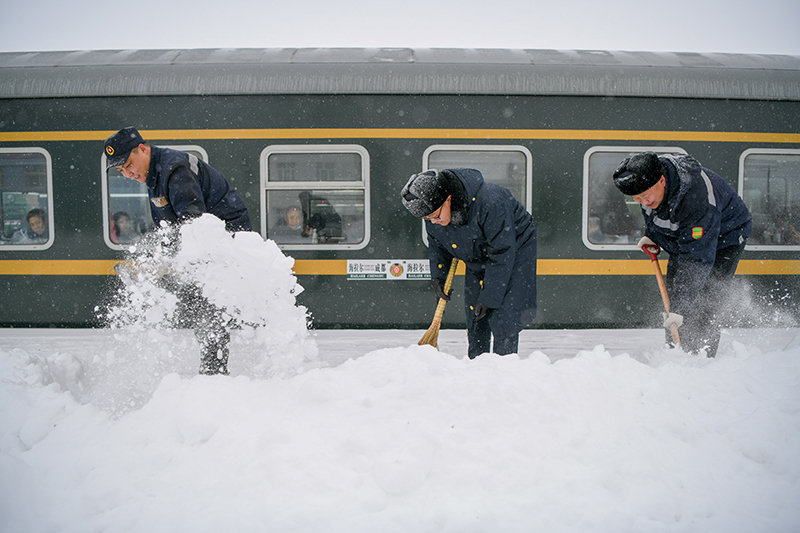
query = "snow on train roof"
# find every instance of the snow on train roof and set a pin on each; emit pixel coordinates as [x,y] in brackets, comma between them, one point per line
[398,71]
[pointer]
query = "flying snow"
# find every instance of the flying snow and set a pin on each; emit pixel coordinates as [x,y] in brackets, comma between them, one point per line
[246,276]
[114,430]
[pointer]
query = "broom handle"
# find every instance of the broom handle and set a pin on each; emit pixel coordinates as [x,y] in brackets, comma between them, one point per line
[437,316]
[450,275]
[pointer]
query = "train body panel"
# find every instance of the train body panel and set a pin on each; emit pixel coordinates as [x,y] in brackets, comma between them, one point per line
[559,141]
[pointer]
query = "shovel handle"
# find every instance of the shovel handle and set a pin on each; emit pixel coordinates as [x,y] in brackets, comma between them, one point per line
[653,250]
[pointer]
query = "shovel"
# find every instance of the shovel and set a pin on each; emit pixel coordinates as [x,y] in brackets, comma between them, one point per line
[653,250]
[431,336]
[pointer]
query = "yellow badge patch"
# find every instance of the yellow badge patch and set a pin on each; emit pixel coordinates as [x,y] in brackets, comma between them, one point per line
[697,232]
[110,150]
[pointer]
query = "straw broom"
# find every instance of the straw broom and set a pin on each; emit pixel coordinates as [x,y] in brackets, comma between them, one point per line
[431,336]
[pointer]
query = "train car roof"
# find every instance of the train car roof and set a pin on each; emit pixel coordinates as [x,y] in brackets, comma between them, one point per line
[397,71]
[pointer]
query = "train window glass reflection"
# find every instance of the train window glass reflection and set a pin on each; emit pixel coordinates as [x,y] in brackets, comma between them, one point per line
[769,183]
[315,196]
[126,206]
[611,220]
[26,200]
[509,166]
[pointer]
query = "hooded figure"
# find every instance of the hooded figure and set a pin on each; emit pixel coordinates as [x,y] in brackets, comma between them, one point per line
[483,225]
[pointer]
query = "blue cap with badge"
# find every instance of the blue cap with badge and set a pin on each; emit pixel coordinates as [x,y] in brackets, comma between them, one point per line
[119,146]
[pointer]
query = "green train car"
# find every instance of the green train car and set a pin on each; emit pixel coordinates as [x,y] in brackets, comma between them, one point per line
[341,130]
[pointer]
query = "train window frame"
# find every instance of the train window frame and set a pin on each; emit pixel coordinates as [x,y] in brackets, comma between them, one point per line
[312,149]
[106,192]
[585,208]
[50,215]
[528,200]
[741,190]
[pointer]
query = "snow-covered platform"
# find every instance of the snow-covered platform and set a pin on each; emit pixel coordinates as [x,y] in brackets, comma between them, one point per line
[588,430]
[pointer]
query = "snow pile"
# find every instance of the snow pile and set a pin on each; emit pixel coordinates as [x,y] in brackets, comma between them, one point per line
[123,435]
[247,277]
[413,439]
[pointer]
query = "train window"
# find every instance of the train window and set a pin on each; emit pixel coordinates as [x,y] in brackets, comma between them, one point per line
[509,166]
[315,197]
[611,221]
[126,206]
[769,183]
[26,199]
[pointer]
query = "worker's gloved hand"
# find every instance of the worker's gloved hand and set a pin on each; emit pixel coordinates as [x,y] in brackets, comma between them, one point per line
[480,311]
[438,288]
[646,241]
[672,318]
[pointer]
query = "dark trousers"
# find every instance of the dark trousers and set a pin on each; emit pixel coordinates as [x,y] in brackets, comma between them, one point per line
[701,326]
[480,335]
[504,323]
[211,327]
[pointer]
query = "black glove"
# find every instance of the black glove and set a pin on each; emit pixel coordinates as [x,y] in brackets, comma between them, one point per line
[480,311]
[438,288]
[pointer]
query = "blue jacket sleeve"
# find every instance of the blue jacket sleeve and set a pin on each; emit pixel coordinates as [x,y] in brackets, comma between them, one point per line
[185,194]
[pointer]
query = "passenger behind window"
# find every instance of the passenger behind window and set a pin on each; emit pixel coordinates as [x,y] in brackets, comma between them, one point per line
[786,228]
[36,232]
[321,223]
[290,228]
[313,221]
[596,235]
[122,231]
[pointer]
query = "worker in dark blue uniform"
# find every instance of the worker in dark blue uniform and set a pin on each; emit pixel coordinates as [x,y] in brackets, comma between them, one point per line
[483,225]
[693,214]
[181,187]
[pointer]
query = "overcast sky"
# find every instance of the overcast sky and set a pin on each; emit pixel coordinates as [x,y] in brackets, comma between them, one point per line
[751,26]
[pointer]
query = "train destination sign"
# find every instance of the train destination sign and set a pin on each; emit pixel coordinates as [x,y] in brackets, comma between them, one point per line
[388,269]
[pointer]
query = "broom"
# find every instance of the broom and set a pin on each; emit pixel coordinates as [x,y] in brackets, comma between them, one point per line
[431,336]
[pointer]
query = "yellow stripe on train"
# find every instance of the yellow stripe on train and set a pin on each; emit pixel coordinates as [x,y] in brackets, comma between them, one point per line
[338,267]
[411,133]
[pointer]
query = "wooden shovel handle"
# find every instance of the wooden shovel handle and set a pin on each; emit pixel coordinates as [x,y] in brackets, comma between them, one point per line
[652,250]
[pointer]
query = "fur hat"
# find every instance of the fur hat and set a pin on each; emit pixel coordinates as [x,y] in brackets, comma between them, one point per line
[637,173]
[425,193]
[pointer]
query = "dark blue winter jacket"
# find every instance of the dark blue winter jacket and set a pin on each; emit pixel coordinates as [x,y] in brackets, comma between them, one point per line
[699,215]
[498,235]
[182,187]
